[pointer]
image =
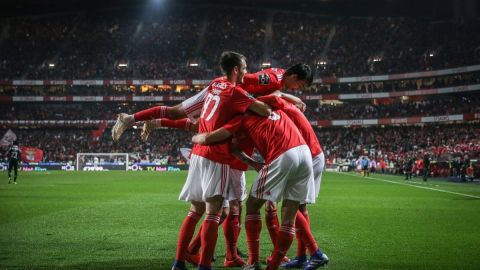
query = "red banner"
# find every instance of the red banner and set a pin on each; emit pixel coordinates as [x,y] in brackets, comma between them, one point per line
[31,154]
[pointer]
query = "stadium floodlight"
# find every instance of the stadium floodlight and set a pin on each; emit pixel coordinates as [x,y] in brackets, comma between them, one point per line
[266,64]
[322,62]
[122,65]
[431,54]
[102,161]
[51,65]
[193,64]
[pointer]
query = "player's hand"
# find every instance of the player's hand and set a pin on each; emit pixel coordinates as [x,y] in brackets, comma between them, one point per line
[301,106]
[199,138]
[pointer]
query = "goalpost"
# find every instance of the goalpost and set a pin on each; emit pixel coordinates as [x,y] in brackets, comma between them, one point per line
[102,161]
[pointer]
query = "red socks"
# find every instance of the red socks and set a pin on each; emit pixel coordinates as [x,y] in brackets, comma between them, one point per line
[152,113]
[285,237]
[209,237]
[230,231]
[301,248]
[184,123]
[253,227]
[196,243]
[303,231]
[271,219]
[186,233]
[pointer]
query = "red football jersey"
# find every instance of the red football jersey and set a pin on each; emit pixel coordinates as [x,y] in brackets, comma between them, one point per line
[263,82]
[222,103]
[272,136]
[299,119]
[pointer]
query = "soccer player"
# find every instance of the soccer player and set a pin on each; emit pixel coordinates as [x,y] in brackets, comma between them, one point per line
[207,180]
[261,83]
[286,176]
[318,163]
[13,155]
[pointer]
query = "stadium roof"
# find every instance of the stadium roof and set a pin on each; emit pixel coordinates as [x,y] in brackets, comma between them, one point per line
[430,8]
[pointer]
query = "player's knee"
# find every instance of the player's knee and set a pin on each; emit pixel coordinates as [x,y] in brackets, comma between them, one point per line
[214,205]
[254,205]
[234,206]
[197,207]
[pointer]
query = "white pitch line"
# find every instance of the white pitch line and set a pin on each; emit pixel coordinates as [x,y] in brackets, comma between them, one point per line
[406,184]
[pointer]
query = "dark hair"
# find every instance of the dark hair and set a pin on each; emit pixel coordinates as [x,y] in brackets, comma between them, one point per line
[303,72]
[15,142]
[230,60]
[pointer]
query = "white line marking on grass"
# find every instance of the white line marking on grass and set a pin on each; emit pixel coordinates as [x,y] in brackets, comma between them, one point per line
[406,184]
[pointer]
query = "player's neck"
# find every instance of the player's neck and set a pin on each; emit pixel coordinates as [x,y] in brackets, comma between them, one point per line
[232,80]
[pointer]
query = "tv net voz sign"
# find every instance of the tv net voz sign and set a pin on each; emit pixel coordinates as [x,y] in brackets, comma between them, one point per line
[40,167]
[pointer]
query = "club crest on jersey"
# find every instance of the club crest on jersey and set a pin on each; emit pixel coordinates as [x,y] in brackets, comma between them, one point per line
[274,116]
[263,79]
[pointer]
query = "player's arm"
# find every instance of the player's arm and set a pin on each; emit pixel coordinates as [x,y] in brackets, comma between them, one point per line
[292,99]
[260,108]
[215,136]
[242,156]
[219,134]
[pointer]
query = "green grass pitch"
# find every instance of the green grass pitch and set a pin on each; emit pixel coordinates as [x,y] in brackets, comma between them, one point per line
[130,220]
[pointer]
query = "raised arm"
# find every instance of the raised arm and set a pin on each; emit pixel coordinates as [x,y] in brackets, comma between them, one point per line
[292,99]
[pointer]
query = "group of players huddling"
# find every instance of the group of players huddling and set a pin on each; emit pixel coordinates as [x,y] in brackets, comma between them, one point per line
[231,124]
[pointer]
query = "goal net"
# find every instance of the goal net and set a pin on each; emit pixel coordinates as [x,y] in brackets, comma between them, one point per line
[102,161]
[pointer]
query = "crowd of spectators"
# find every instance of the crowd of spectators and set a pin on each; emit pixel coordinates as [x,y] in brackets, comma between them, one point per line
[62,144]
[92,45]
[395,143]
[387,143]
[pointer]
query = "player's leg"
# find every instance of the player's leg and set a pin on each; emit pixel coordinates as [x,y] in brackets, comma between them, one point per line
[10,167]
[230,229]
[15,168]
[210,231]
[253,228]
[214,181]
[186,233]
[231,226]
[286,233]
[271,220]
[125,121]
[191,192]
[296,190]
[189,108]
[269,186]
[301,255]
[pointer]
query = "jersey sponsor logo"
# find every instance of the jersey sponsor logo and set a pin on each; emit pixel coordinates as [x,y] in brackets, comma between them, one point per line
[263,79]
[219,85]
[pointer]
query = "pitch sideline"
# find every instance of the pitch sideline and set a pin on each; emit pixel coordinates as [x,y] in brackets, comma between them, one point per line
[406,184]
